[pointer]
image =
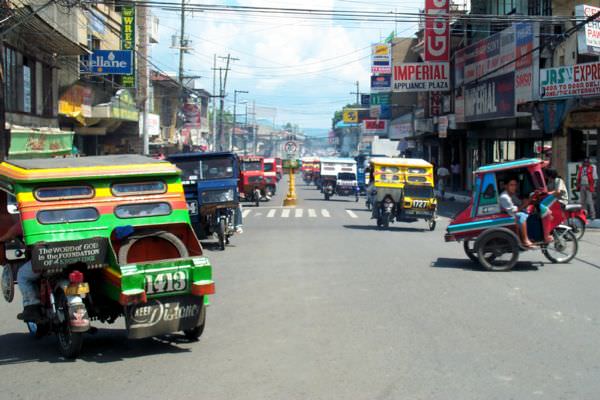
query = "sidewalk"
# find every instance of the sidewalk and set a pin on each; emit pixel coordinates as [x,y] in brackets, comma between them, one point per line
[465,197]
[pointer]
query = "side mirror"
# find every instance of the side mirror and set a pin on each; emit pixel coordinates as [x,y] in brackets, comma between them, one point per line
[14,250]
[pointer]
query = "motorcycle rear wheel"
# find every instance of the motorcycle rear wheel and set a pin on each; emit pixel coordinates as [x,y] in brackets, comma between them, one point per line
[221,234]
[564,247]
[69,342]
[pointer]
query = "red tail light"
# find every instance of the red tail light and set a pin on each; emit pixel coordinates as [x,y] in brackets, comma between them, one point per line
[75,277]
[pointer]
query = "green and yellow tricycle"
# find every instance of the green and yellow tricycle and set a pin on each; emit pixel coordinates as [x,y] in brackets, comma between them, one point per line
[104,237]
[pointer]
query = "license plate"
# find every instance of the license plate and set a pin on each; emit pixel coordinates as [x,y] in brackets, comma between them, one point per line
[419,204]
[193,207]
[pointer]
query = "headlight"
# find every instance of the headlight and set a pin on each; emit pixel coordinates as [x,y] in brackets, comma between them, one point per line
[217,196]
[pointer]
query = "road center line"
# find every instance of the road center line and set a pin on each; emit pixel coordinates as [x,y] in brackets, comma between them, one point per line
[271,213]
[245,213]
[325,213]
[312,213]
[351,214]
[285,213]
[299,212]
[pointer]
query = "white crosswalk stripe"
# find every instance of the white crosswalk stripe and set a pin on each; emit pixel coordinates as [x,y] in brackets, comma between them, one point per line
[312,213]
[351,214]
[285,213]
[299,212]
[325,213]
[245,213]
[271,213]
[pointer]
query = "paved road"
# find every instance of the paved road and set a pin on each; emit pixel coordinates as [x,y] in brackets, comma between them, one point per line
[318,304]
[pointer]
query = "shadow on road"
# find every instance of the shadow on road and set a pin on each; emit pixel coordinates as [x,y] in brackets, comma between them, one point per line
[468,265]
[106,346]
[390,229]
[343,200]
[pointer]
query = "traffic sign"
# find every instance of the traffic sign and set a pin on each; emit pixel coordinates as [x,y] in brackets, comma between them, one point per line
[291,148]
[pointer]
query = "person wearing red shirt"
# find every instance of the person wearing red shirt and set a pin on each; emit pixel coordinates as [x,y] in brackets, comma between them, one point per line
[586,185]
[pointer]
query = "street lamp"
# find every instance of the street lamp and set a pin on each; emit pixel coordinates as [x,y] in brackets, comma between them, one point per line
[235,93]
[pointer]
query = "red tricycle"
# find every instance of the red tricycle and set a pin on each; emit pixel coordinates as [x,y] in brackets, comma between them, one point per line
[493,237]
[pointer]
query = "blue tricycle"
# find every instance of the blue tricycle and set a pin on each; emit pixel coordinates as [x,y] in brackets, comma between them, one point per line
[210,182]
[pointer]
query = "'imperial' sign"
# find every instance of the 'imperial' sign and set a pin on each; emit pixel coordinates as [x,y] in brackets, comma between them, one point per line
[421,77]
[571,80]
[100,62]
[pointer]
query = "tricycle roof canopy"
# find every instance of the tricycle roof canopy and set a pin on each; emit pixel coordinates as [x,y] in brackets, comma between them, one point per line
[401,162]
[523,163]
[95,167]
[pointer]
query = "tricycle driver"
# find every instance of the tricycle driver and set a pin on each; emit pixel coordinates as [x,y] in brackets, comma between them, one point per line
[26,279]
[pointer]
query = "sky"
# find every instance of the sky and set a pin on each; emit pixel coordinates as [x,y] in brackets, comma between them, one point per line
[296,70]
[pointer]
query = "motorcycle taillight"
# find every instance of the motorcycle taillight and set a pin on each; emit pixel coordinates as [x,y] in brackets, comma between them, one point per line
[76,277]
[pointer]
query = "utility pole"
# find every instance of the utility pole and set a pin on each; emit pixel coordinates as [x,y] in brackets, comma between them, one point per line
[143,78]
[214,103]
[357,93]
[235,93]
[222,94]
[181,44]
[4,142]
[254,145]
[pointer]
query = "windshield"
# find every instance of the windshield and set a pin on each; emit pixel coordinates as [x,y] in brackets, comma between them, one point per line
[423,192]
[251,166]
[346,176]
[269,167]
[203,170]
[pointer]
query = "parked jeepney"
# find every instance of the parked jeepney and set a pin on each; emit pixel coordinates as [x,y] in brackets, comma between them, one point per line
[490,235]
[110,236]
[338,176]
[270,168]
[210,181]
[402,191]
[252,184]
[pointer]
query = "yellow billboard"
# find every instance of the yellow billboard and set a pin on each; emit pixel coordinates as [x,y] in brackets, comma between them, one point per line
[350,116]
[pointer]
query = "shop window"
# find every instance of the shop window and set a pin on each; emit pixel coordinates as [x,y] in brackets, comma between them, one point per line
[11,94]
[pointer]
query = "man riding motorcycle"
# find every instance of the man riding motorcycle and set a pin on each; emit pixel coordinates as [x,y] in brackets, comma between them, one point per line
[26,279]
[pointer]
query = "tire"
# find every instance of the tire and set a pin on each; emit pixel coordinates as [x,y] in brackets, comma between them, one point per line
[327,196]
[469,247]
[368,204]
[385,220]
[168,236]
[257,198]
[564,247]
[578,227]
[7,283]
[221,233]
[69,342]
[432,223]
[193,335]
[492,246]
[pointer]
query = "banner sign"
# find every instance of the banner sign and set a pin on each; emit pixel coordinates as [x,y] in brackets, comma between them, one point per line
[59,255]
[402,127]
[128,40]
[381,58]
[570,80]
[375,126]
[421,77]
[588,38]
[381,83]
[103,62]
[350,116]
[435,104]
[491,98]
[378,99]
[437,30]
[443,127]
[508,51]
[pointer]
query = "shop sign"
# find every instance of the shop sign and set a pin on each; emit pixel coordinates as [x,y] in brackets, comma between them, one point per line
[122,106]
[402,127]
[25,144]
[191,113]
[510,50]
[421,77]
[435,103]
[378,99]
[375,126]
[350,116]
[76,102]
[365,100]
[153,124]
[443,126]
[128,40]
[381,58]
[437,30]
[588,37]
[381,83]
[102,62]
[570,81]
[491,99]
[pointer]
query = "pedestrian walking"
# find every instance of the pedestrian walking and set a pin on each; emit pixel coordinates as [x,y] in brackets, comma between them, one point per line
[443,174]
[586,185]
[455,169]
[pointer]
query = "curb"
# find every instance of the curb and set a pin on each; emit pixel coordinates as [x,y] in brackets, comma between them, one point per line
[594,224]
